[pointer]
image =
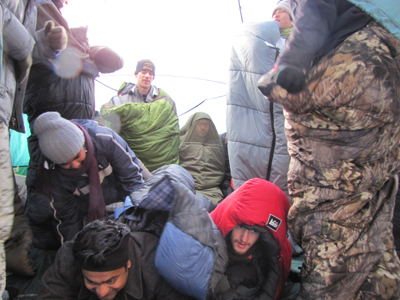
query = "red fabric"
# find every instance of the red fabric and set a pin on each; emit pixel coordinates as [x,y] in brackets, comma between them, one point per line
[253,204]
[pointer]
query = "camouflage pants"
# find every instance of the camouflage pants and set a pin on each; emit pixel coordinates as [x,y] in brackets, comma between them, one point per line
[344,141]
[6,199]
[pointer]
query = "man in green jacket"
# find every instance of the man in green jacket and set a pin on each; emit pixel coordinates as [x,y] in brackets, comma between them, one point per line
[146,118]
[141,92]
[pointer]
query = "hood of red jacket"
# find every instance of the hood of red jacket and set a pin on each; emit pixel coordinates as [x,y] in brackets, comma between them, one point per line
[256,202]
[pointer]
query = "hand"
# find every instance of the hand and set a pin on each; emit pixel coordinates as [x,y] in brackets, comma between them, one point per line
[107,106]
[22,68]
[265,83]
[289,78]
[56,36]
[106,59]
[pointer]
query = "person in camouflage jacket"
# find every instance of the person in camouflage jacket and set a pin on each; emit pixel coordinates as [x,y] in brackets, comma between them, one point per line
[342,106]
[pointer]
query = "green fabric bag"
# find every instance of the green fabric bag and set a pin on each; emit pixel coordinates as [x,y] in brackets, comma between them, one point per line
[150,129]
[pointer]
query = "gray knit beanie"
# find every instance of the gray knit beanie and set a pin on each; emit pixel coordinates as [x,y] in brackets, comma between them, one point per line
[59,139]
[285,5]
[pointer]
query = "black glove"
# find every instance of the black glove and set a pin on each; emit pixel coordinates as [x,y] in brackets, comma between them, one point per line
[265,84]
[289,78]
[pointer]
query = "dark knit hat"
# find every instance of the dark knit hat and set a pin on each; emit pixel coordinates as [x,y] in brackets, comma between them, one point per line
[59,139]
[145,64]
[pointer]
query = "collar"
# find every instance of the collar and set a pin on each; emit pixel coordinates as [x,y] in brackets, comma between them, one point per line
[133,287]
[151,96]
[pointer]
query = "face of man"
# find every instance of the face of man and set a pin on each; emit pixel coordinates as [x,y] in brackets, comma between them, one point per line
[76,161]
[106,285]
[144,80]
[201,128]
[242,239]
[283,18]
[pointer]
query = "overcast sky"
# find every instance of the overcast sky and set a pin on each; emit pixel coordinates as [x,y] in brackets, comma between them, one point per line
[187,41]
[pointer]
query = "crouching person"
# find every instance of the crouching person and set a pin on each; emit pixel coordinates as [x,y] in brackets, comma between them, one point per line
[84,168]
[107,261]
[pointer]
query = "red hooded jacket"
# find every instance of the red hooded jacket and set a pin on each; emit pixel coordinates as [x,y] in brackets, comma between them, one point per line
[259,202]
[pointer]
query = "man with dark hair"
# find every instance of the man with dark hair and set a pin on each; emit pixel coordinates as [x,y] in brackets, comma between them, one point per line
[110,261]
[253,222]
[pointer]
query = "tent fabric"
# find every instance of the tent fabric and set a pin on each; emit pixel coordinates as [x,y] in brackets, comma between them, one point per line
[257,144]
[385,13]
[205,160]
[150,129]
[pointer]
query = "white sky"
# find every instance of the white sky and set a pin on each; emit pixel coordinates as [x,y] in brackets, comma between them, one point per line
[184,38]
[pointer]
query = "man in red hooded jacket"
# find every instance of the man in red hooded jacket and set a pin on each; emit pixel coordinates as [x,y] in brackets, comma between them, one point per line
[253,222]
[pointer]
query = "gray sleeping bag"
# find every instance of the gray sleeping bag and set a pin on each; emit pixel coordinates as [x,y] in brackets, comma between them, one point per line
[257,143]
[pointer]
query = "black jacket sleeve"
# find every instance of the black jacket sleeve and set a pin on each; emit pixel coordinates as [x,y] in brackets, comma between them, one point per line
[314,22]
[63,279]
[319,26]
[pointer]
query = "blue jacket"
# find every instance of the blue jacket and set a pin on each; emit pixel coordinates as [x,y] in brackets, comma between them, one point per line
[119,173]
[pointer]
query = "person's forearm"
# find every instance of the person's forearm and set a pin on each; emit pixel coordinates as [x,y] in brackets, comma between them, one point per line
[313,23]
